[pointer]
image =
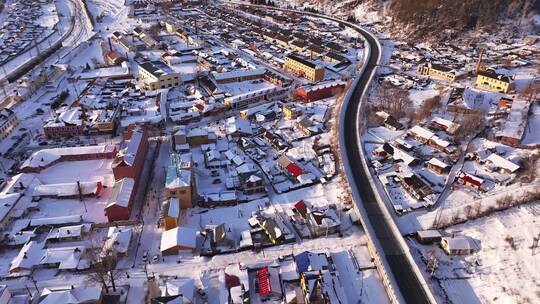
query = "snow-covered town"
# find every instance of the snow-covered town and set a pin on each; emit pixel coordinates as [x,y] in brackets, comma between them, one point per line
[264,152]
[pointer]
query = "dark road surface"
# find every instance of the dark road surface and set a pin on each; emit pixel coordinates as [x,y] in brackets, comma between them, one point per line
[409,285]
[403,271]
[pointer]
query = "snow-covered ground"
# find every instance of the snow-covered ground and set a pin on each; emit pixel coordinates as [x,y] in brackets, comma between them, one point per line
[507,267]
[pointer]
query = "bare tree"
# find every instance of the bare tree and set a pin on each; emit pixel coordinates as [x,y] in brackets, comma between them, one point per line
[471,124]
[394,100]
[427,107]
[103,267]
[529,168]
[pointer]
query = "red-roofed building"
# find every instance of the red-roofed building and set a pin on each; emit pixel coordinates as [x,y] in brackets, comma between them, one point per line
[269,283]
[470,180]
[302,209]
[320,91]
[114,58]
[294,169]
[264,282]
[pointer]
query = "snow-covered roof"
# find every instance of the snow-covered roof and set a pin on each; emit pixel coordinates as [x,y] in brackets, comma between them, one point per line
[439,141]
[66,117]
[132,149]
[399,154]
[118,239]
[428,233]
[195,132]
[448,125]
[254,178]
[121,192]
[7,202]
[325,85]
[238,73]
[251,94]
[82,294]
[33,253]
[436,162]
[179,236]
[236,124]
[58,220]
[173,207]
[223,196]
[181,286]
[459,243]
[256,109]
[68,189]
[502,163]
[66,232]
[42,158]
[66,257]
[421,132]
[177,178]
[28,256]
[514,126]
[25,179]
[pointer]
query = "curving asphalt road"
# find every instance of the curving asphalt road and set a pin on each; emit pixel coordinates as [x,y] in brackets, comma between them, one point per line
[401,266]
[408,283]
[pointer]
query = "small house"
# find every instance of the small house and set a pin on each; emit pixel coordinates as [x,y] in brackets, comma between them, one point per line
[458,245]
[178,239]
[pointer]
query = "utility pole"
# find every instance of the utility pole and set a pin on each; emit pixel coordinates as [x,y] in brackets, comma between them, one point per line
[27,289]
[35,283]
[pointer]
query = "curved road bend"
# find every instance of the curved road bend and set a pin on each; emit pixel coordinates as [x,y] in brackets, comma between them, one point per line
[409,284]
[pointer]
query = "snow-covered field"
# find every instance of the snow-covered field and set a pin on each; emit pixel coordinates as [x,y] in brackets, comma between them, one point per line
[507,267]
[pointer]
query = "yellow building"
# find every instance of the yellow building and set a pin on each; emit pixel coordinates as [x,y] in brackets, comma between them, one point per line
[179,182]
[491,81]
[105,121]
[436,71]
[170,27]
[291,112]
[171,213]
[303,68]
[157,75]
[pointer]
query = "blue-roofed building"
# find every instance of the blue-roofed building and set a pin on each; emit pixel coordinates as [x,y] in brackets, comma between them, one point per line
[302,261]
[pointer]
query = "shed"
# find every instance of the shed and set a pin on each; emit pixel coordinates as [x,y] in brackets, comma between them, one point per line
[458,245]
[428,236]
